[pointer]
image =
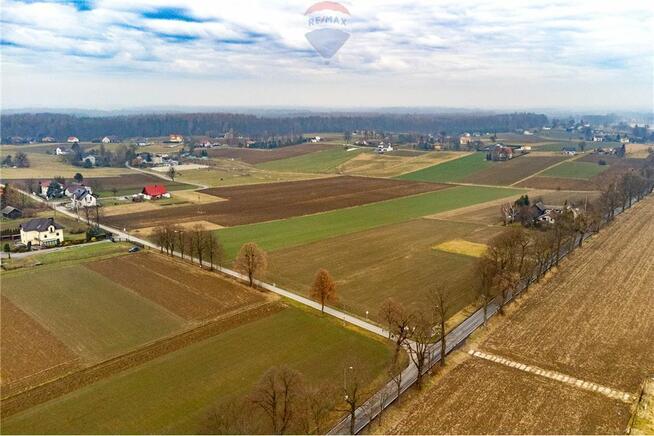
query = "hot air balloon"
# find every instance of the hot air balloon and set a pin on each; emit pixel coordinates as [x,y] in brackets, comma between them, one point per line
[328,27]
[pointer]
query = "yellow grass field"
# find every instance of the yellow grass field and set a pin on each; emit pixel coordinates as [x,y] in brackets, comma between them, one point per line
[206,225]
[44,166]
[461,246]
[639,151]
[389,165]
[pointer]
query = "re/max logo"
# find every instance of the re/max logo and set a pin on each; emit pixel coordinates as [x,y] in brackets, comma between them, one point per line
[327,20]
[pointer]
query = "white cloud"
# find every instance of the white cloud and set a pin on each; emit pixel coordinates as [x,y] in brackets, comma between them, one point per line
[541,45]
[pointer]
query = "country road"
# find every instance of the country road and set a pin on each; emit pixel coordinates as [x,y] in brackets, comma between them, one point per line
[386,395]
[345,317]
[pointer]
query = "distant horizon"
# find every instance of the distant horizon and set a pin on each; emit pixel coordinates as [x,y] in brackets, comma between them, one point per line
[289,110]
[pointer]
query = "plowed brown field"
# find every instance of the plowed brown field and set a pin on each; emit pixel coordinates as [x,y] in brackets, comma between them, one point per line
[481,397]
[593,320]
[271,201]
[183,290]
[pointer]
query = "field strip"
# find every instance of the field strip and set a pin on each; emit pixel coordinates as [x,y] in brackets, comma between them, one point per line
[554,375]
[19,401]
[544,169]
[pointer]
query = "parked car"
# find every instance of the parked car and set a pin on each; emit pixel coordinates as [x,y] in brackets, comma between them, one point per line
[134,249]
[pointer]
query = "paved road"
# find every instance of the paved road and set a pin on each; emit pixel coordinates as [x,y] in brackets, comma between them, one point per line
[345,317]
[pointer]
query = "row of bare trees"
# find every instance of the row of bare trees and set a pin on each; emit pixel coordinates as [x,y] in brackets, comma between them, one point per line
[196,243]
[518,257]
[418,331]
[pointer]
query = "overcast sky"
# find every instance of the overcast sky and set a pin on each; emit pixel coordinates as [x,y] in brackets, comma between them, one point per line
[109,54]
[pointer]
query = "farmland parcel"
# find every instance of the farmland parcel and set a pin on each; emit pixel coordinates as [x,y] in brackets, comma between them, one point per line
[274,235]
[593,320]
[270,201]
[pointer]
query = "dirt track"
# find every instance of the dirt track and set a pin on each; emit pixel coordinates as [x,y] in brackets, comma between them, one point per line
[480,397]
[269,201]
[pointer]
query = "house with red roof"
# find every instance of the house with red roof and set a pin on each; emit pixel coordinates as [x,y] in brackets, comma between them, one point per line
[153,192]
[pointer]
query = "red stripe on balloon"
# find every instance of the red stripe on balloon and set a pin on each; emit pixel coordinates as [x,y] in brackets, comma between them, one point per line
[327,6]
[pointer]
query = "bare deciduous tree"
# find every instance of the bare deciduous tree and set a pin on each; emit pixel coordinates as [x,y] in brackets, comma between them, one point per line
[441,312]
[421,339]
[323,289]
[319,402]
[398,320]
[353,391]
[277,394]
[172,172]
[251,261]
[213,248]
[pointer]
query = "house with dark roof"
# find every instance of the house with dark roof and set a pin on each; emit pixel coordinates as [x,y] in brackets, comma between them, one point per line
[41,231]
[11,212]
[82,197]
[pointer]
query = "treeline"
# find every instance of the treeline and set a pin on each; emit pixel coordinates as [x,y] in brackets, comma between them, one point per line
[60,126]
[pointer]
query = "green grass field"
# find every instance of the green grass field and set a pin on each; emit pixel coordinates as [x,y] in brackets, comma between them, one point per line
[92,315]
[173,393]
[324,161]
[576,170]
[273,235]
[450,171]
[71,254]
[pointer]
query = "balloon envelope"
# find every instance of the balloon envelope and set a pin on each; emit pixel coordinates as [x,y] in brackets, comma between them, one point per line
[327,41]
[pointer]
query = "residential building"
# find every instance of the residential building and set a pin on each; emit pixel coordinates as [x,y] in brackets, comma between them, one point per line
[11,212]
[60,151]
[570,151]
[106,140]
[465,139]
[500,152]
[82,197]
[41,231]
[152,192]
[90,158]
[72,140]
[176,138]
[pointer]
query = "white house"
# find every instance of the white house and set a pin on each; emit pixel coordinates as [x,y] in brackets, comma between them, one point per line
[60,151]
[106,140]
[82,197]
[70,189]
[41,231]
[382,148]
[72,140]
